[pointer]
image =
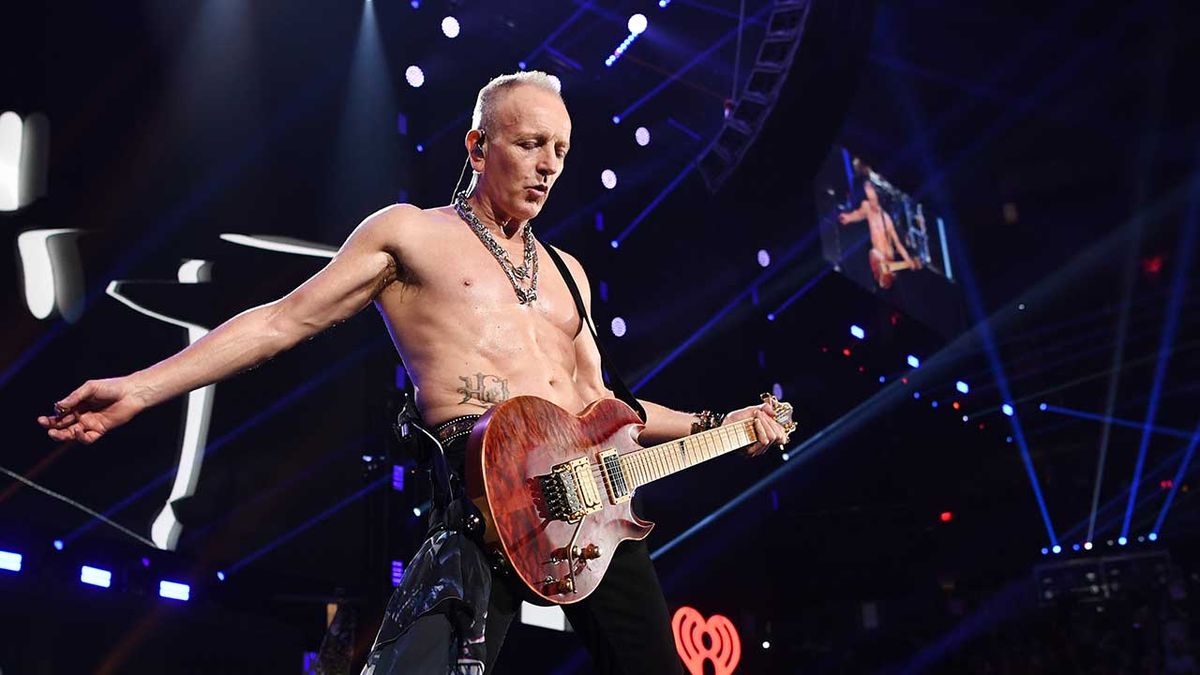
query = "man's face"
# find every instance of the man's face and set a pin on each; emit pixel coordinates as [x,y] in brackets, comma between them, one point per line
[525,150]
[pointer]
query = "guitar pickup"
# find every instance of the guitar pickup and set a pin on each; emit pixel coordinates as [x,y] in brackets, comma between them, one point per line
[570,491]
[614,477]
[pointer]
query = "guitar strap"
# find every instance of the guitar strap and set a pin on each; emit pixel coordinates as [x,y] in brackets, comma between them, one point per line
[614,378]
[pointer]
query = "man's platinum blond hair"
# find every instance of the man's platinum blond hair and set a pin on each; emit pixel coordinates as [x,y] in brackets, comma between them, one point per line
[484,115]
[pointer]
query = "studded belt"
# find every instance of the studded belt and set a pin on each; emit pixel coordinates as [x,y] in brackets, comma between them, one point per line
[455,428]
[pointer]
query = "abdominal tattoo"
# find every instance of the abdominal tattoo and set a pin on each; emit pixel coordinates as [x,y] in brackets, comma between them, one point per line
[483,390]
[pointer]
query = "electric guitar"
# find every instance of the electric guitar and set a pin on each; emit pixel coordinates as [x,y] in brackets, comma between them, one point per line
[555,488]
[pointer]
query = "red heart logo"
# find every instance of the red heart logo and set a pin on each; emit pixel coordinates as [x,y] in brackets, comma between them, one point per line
[723,648]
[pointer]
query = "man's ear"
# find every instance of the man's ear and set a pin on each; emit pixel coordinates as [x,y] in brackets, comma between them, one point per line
[475,141]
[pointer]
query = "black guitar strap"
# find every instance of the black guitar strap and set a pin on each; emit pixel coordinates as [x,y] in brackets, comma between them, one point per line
[614,378]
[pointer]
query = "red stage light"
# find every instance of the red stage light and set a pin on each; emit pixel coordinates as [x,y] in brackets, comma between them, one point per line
[947,516]
[1152,264]
[904,380]
[1166,484]
[846,351]
[955,405]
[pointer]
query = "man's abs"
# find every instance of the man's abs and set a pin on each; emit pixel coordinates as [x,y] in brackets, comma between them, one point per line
[466,341]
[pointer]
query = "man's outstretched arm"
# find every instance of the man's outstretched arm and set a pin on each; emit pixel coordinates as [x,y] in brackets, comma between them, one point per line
[360,270]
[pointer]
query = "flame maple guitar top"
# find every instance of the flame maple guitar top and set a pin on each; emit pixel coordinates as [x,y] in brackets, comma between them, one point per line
[512,446]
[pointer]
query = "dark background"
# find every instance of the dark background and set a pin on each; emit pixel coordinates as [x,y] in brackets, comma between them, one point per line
[174,124]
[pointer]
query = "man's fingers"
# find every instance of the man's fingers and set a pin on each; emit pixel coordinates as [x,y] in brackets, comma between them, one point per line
[73,399]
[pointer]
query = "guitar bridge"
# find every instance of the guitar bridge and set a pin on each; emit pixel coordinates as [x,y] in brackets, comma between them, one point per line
[570,491]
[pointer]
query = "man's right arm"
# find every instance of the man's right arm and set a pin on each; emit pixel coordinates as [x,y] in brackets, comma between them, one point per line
[362,268]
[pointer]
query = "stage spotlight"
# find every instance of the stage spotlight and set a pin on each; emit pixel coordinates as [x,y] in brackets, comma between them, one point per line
[637,24]
[1042,406]
[784,456]
[1122,541]
[173,590]
[766,644]
[415,76]
[1045,550]
[1057,549]
[10,561]
[966,419]
[642,136]
[94,576]
[1007,409]
[1153,536]
[450,27]
[522,65]
[764,258]
[220,576]
[615,243]
[415,4]
[1087,545]
[1021,307]
[58,545]
[609,178]
[663,3]
[771,316]
[857,332]
[1008,439]
[917,395]
[962,387]
[946,516]
[618,326]
[913,361]
[420,147]
[397,572]
[1074,547]
[882,379]
[933,404]
[417,511]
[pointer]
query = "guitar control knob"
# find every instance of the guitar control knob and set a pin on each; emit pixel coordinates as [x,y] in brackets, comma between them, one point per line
[591,552]
[566,585]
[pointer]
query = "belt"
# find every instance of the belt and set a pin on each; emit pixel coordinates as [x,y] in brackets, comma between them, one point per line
[455,427]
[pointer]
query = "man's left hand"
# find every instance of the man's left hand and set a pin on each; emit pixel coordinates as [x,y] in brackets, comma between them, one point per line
[766,429]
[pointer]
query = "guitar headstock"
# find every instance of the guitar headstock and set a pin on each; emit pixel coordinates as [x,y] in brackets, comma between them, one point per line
[783,412]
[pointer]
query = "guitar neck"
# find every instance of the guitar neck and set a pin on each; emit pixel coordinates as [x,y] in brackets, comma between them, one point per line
[650,464]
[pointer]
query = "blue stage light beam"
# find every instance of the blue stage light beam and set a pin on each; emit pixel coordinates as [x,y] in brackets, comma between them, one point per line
[1186,249]
[767,273]
[654,203]
[583,7]
[1153,118]
[983,322]
[1176,480]
[1119,421]
[302,527]
[696,60]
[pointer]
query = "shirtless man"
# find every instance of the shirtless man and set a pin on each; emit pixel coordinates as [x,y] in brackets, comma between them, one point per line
[885,243]
[472,328]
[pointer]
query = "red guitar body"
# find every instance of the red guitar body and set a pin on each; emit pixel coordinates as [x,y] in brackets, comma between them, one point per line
[513,447]
[881,269]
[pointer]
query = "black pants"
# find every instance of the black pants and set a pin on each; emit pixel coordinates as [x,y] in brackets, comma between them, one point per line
[624,623]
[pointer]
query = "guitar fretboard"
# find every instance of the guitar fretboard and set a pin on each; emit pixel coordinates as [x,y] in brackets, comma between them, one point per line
[649,464]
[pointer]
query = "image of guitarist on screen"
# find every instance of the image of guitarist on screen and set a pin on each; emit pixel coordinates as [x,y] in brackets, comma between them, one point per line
[482,318]
[885,243]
